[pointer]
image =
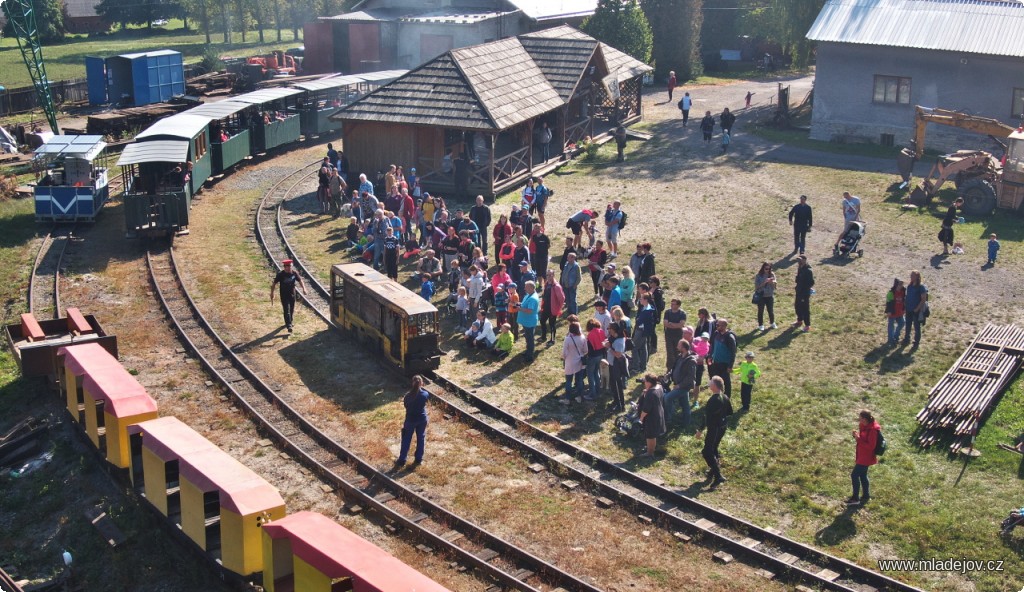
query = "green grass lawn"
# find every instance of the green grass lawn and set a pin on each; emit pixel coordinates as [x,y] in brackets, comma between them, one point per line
[789,459]
[66,60]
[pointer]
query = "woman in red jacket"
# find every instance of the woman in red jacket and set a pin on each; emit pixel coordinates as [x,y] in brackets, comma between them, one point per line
[502,230]
[867,437]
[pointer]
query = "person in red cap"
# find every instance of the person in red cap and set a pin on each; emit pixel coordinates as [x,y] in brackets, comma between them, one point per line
[287,277]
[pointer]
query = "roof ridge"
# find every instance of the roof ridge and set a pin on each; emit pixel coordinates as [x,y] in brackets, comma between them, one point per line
[472,88]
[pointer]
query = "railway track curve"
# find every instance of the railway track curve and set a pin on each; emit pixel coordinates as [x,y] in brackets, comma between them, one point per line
[44,282]
[363,485]
[687,518]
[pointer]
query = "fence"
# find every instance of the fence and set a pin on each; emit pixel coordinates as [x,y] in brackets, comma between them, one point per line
[25,99]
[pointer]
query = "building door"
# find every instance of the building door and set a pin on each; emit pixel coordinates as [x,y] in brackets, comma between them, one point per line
[432,46]
[364,47]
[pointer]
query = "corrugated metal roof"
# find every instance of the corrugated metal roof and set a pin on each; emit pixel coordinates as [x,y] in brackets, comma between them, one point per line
[159,52]
[540,10]
[181,125]
[451,16]
[267,95]
[382,75]
[156,151]
[974,26]
[218,110]
[372,15]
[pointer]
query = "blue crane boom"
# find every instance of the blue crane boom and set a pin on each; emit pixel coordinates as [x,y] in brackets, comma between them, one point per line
[22,16]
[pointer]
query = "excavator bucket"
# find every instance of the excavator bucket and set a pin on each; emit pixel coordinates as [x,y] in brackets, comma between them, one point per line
[905,164]
[918,197]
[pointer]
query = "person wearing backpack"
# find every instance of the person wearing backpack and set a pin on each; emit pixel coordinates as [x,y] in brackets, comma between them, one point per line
[614,221]
[870,444]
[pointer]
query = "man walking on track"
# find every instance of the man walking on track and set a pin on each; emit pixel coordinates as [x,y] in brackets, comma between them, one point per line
[287,277]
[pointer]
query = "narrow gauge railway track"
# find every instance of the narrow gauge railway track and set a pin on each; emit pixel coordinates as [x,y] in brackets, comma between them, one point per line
[768,548]
[493,558]
[44,283]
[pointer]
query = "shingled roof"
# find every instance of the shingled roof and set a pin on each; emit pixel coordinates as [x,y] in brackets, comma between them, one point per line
[562,60]
[494,86]
[619,63]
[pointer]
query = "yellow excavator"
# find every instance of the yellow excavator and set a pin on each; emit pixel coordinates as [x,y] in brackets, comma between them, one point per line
[984,181]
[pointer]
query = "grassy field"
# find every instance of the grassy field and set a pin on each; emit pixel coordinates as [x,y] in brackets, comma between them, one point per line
[712,220]
[67,59]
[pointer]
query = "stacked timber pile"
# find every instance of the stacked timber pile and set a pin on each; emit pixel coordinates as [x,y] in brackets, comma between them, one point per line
[967,392]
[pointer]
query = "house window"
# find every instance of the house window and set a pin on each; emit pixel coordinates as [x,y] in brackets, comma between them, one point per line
[1018,104]
[892,89]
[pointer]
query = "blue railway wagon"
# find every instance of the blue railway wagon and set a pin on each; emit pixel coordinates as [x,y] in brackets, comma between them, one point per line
[276,120]
[75,187]
[158,192]
[230,134]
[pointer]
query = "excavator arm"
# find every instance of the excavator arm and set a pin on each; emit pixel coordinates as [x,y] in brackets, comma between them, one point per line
[982,125]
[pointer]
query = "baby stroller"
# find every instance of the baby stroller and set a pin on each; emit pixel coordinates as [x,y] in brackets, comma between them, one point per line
[1012,521]
[629,422]
[850,241]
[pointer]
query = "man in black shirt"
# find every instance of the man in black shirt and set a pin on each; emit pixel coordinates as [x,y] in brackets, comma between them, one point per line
[948,221]
[541,246]
[717,413]
[802,302]
[391,245]
[801,218]
[287,277]
[481,214]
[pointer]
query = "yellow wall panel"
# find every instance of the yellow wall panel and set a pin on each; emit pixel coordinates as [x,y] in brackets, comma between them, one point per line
[241,546]
[154,475]
[71,392]
[193,519]
[91,421]
[309,579]
[118,444]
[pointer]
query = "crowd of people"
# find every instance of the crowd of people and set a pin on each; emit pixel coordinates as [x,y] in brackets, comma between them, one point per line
[518,296]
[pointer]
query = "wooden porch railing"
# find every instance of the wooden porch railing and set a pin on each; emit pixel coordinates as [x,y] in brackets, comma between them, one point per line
[511,164]
[575,133]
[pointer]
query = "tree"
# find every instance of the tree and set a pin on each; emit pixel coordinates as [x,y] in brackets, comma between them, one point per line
[786,22]
[621,24]
[199,11]
[138,12]
[676,27]
[49,20]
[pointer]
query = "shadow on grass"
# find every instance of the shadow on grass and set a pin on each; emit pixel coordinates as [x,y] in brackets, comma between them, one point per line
[889,359]
[842,528]
[938,260]
[783,339]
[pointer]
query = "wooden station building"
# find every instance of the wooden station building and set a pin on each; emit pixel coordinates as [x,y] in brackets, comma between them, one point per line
[469,120]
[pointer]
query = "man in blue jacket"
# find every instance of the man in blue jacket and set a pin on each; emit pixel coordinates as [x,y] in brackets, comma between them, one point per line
[723,354]
[415,402]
